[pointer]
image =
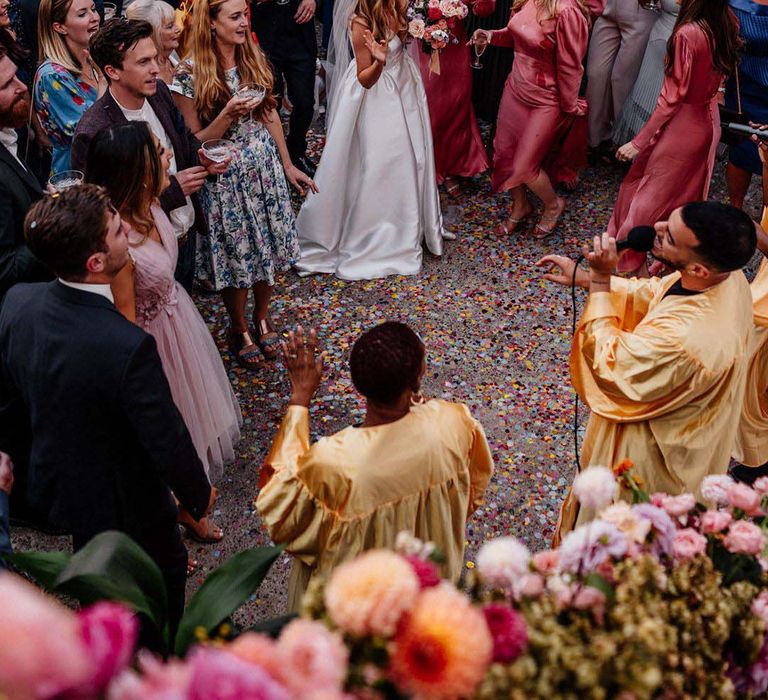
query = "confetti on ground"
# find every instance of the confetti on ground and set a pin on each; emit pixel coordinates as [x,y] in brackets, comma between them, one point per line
[497,338]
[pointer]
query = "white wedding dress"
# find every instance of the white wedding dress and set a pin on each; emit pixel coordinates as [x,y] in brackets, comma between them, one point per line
[378,199]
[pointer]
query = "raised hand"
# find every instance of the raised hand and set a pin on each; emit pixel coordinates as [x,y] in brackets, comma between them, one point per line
[603,257]
[304,365]
[481,37]
[563,272]
[379,50]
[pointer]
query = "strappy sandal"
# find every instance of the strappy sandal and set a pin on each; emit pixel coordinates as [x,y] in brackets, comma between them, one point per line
[246,353]
[204,530]
[510,225]
[267,338]
[541,232]
[452,187]
[192,565]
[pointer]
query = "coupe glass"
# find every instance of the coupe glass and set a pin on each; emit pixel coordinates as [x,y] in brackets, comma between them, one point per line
[110,10]
[218,150]
[253,92]
[66,179]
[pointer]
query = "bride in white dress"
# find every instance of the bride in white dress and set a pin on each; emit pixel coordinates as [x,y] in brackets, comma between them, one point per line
[377,201]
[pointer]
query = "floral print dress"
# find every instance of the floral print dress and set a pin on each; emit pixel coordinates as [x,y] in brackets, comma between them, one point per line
[252,227]
[61,99]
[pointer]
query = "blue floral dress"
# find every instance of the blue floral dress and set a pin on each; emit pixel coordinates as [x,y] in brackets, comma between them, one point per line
[252,226]
[61,99]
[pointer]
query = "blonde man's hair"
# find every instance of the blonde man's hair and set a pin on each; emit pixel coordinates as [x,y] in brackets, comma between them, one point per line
[211,91]
[156,12]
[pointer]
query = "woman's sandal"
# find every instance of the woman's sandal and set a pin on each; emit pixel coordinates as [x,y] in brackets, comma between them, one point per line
[204,530]
[509,226]
[246,353]
[267,338]
[540,232]
[192,565]
[452,187]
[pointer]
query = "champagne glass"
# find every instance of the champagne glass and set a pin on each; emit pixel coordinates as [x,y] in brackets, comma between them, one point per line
[218,150]
[110,10]
[66,179]
[252,91]
[479,49]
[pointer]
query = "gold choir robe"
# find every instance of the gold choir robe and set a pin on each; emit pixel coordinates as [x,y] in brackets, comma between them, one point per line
[357,489]
[664,379]
[752,437]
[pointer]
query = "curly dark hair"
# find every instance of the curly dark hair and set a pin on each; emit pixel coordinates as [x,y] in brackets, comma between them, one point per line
[114,39]
[385,361]
[64,230]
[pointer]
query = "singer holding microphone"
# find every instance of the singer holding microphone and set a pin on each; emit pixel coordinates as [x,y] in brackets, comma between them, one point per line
[661,362]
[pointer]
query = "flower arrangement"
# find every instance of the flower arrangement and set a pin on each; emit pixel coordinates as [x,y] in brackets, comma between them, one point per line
[663,597]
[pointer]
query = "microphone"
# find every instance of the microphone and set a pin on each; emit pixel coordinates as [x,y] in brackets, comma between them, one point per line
[640,239]
[745,130]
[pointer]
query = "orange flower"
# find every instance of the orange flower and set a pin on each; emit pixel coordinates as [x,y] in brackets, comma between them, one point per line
[443,648]
[623,467]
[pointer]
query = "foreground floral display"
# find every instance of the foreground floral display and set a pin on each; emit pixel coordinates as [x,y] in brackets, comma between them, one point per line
[663,597]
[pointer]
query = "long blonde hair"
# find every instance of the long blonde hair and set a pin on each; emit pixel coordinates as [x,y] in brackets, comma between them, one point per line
[550,8]
[378,15]
[156,12]
[211,91]
[52,44]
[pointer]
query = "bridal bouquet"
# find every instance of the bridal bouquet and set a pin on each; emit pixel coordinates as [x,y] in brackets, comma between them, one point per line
[432,22]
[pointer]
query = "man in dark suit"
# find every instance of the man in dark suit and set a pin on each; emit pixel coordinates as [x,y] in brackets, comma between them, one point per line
[286,34]
[126,54]
[18,186]
[107,445]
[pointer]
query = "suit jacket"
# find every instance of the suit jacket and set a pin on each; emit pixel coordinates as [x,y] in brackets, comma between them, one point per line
[107,444]
[106,112]
[19,189]
[278,32]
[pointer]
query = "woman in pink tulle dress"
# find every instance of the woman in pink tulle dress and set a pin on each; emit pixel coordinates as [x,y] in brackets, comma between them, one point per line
[130,162]
[674,152]
[459,149]
[541,130]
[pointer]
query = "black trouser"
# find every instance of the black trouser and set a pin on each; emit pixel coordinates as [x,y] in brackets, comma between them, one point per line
[299,71]
[169,553]
[748,475]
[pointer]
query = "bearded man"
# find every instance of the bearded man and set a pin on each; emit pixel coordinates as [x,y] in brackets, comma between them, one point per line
[19,188]
[662,362]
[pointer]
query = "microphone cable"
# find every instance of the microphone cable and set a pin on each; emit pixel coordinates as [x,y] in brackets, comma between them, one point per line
[573,335]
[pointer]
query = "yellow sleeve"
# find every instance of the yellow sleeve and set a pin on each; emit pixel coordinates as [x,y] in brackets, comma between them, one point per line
[630,299]
[480,467]
[634,375]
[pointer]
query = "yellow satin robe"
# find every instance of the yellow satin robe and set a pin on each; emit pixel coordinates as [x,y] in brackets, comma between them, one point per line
[752,437]
[357,489]
[664,379]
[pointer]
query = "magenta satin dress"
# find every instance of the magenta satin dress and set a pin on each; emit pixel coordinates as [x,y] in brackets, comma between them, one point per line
[537,124]
[459,149]
[677,145]
[199,384]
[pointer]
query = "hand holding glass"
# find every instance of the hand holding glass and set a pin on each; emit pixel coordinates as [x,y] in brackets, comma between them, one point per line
[254,92]
[65,179]
[218,150]
[479,43]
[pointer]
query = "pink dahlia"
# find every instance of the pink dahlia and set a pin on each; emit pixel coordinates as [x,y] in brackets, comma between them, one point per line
[368,595]
[426,571]
[508,631]
[442,648]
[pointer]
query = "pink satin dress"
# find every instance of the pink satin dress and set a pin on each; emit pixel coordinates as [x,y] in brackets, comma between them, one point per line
[537,126]
[459,149]
[199,383]
[677,145]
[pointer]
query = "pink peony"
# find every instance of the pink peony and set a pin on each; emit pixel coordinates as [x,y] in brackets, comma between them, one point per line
[312,657]
[744,537]
[257,649]
[110,632]
[713,521]
[546,562]
[760,607]
[744,498]
[416,28]
[530,586]
[508,630]
[426,571]
[595,487]
[715,488]
[591,599]
[158,680]
[761,485]
[42,653]
[678,506]
[368,595]
[687,543]
[219,675]
[502,562]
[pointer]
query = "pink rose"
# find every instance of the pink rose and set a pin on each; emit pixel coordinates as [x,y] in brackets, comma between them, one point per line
[219,675]
[677,506]
[546,562]
[687,543]
[715,521]
[744,498]
[744,537]
[110,632]
[761,485]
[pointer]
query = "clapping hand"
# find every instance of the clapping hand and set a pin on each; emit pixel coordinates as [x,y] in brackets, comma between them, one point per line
[379,50]
[304,365]
[300,180]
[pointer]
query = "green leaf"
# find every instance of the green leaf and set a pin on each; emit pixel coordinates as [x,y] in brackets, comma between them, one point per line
[223,592]
[274,626]
[43,567]
[597,581]
[113,567]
